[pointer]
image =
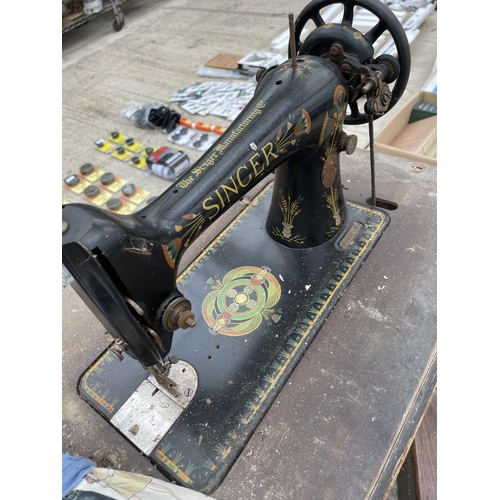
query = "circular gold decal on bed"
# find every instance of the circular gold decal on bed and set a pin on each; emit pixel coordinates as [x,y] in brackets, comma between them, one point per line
[239,303]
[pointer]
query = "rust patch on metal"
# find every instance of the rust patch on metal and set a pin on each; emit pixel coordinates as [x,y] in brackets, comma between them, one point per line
[330,169]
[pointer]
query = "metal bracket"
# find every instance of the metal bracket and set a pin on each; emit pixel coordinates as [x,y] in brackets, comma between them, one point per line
[364,79]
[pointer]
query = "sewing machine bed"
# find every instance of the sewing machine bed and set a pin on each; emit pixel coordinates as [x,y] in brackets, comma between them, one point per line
[258,305]
[342,423]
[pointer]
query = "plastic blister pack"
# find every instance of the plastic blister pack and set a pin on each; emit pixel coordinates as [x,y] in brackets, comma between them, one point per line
[152,116]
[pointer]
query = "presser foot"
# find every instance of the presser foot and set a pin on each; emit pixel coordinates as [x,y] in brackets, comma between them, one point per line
[161,376]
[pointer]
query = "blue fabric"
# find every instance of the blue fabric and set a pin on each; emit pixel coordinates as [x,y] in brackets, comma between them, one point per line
[73,471]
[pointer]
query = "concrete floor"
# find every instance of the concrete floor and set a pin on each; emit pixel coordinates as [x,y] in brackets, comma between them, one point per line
[103,71]
[158,52]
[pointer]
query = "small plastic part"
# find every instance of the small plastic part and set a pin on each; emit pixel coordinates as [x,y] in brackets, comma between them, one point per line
[108,179]
[114,204]
[87,169]
[91,191]
[168,163]
[129,189]
[150,116]
[202,126]
[72,180]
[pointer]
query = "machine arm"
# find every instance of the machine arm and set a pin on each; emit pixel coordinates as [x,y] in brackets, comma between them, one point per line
[125,266]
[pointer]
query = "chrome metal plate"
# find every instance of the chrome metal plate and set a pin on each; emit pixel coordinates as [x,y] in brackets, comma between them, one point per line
[151,411]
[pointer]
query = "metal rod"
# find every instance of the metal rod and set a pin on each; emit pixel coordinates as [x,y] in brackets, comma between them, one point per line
[372,159]
[293,47]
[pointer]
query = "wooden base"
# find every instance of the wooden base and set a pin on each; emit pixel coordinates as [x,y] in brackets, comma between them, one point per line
[418,477]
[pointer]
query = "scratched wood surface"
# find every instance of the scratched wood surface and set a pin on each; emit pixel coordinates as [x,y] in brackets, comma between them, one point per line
[342,426]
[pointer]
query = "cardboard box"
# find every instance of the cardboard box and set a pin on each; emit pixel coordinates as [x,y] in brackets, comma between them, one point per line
[395,126]
[417,137]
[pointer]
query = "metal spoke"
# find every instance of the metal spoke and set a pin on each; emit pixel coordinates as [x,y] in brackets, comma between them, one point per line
[375,32]
[318,20]
[354,108]
[348,15]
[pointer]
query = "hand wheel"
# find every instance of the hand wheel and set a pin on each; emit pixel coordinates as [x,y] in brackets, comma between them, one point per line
[386,21]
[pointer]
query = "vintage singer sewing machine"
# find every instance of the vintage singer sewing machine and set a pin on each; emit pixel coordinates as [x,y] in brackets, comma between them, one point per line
[197,358]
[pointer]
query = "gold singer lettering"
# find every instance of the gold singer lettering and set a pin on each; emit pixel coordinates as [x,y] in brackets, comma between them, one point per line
[268,153]
[229,137]
[220,148]
[240,182]
[256,164]
[184,183]
[210,207]
[228,192]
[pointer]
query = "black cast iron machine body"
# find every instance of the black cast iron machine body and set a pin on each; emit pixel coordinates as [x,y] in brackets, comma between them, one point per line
[125,267]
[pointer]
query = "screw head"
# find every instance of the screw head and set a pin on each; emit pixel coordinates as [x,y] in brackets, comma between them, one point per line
[416,168]
[173,359]
[116,353]
[334,51]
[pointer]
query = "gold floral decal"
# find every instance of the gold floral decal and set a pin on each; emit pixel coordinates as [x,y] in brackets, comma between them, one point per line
[222,452]
[332,203]
[171,250]
[289,136]
[332,124]
[174,462]
[290,210]
[304,67]
[96,392]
